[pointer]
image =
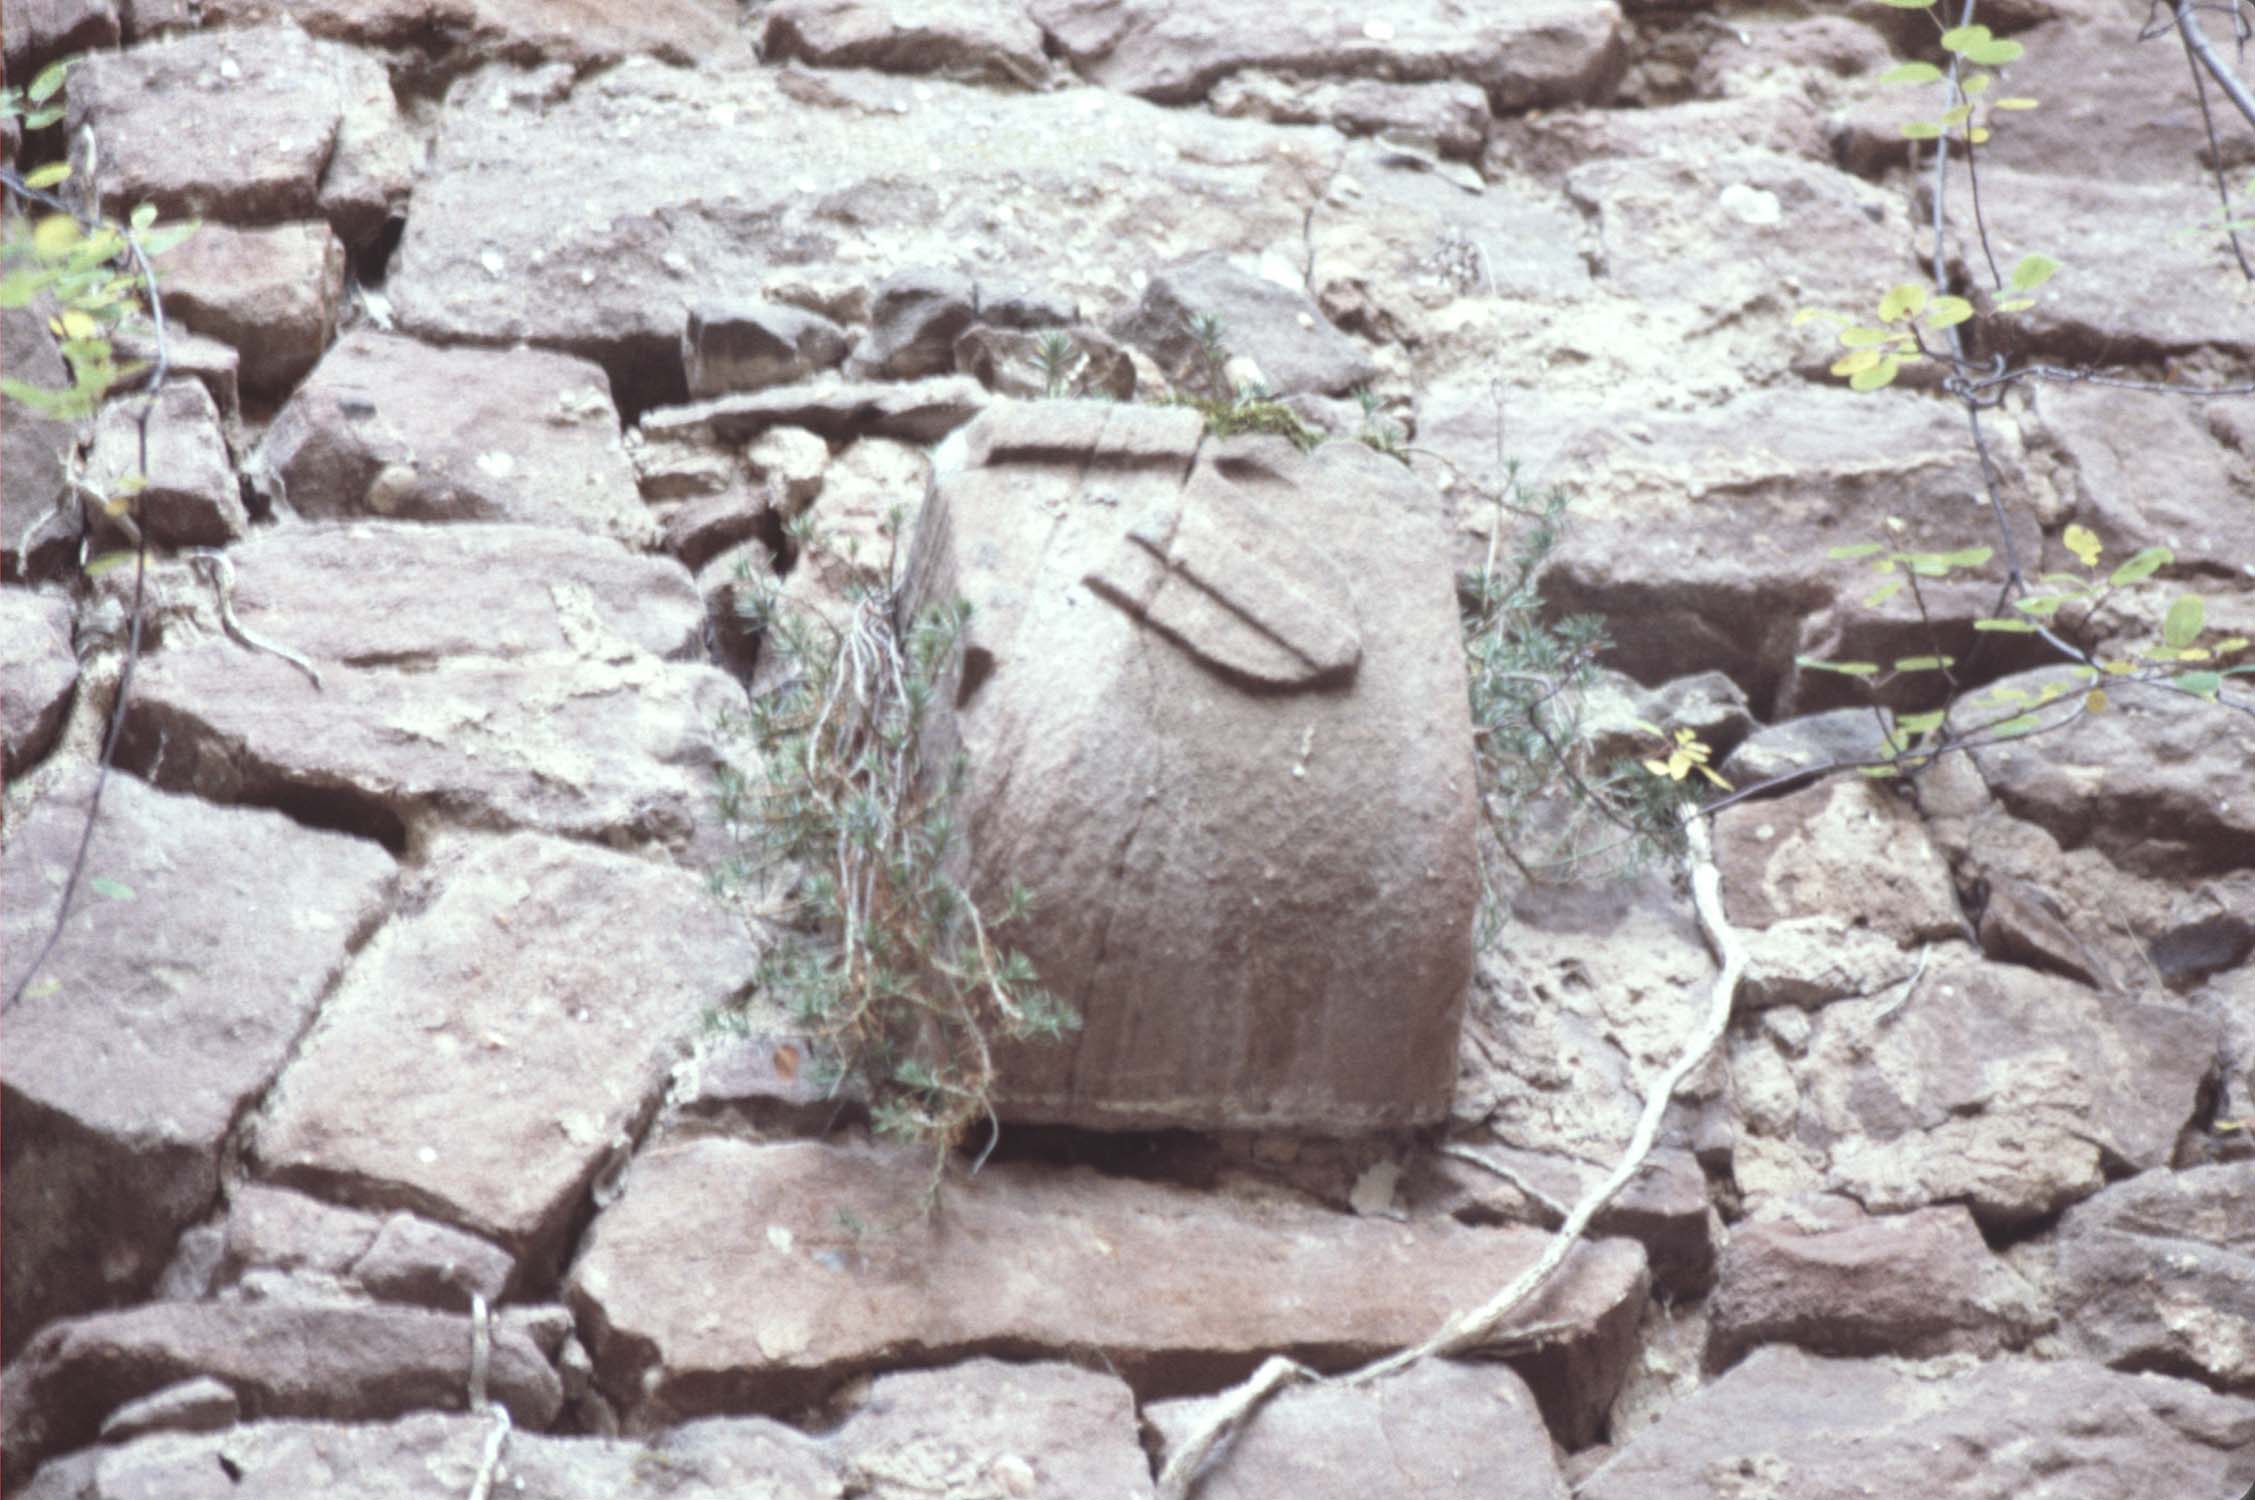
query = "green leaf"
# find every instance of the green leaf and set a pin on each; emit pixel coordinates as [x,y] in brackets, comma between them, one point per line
[1920,723]
[1853,551]
[2042,606]
[1924,663]
[116,890]
[1860,337]
[108,562]
[1978,84]
[2201,684]
[17,288]
[2016,101]
[2032,272]
[1921,130]
[1948,312]
[1957,116]
[49,80]
[1844,668]
[1883,593]
[1912,72]
[2147,563]
[40,119]
[1878,375]
[49,175]
[143,216]
[2187,617]
[2009,627]
[1958,38]
[1994,53]
[166,236]
[2015,304]
[1969,557]
[2015,727]
[1903,300]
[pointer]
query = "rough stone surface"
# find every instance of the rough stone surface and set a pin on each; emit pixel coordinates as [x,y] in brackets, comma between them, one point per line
[449,35]
[1176,621]
[745,347]
[914,317]
[426,594]
[1820,1429]
[392,428]
[1822,1274]
[283,1360]
[199,1405]
[400,1258]
[1010,362]
[1278,328]
[38,673]
[32,450]
[621,748]
[128,1064]
[970,40]
[2012,1091]
[2158,1273]
[916,411]
[1550,53]
[1449,116]
[34,33]
[822,1300]
[1852,850]
[981,1428]
[2159,758]
[192,498]
[2144,473]
[524,1068]
[250,127]
[272,293]
[1438,1429]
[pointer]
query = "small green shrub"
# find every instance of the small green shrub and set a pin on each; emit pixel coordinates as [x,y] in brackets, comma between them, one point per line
[883,955]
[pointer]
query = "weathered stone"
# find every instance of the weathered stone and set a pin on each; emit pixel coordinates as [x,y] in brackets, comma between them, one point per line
[2132,293]
[1549,53]
[423,595]
[128,1064]
[1449,116]
[1855,850]
[192,498]
[582,35]
[432,1265]
[1437,1429]
[393,428]
[401,1258]
[528,1064]
[684,466]
[1824,1429]
[2158,1273]
[38,674]
[1816,959]
[1733,232]
[2146,473]
[697,531]
[1278,328]
[34,33]
[981,1428]
[1012,362]
[820,1300]
[621,749]
[282,1359]
[968,40]
[1695,536]
[216,365]
[2011,1091]
[252,126]
[916,411]
[2160,757]
[914,318]
[769,1084]
[1082,182]
[1664,1207]
[32,483]
[731,586]
[984,1427]
[199,1405]
[749,346]
[1551,143]
[1808,744]
[1822,1274]
[1242,788]
[790,462]
[272,293]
